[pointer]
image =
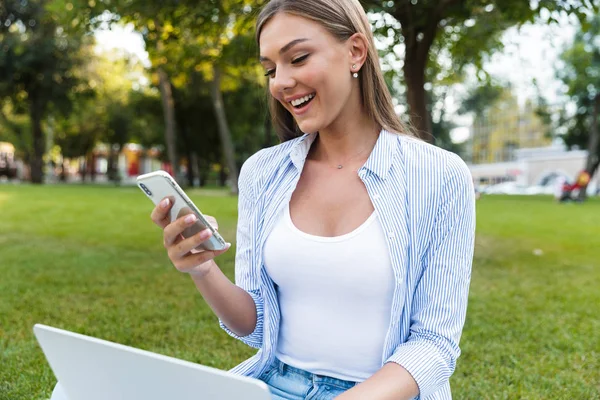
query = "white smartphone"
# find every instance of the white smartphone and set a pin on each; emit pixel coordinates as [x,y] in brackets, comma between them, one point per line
[158,185]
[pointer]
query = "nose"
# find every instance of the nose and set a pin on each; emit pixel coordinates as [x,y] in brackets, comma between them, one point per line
[282,81]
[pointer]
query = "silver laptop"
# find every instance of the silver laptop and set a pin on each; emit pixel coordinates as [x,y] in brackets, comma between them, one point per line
[93,369]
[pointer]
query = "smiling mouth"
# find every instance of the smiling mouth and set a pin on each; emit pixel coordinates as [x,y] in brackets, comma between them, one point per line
[303,101]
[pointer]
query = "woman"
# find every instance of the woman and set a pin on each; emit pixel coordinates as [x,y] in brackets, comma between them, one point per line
[355,240]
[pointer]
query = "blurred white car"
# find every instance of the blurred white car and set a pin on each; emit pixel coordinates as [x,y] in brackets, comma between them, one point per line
[538,189]
[505,188]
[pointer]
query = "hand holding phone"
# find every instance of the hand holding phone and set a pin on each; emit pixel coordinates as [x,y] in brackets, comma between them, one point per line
[189,237]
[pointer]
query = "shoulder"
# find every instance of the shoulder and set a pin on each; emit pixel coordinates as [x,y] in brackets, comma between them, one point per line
[423,156]
[264,162]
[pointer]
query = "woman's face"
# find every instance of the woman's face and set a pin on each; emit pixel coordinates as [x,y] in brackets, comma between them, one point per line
[309,70]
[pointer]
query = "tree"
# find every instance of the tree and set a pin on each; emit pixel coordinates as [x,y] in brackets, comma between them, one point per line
[15,127]
[218,48]
[104,115]
[581,76]
[470,29]
[185,37]
[37,60]
[481,97]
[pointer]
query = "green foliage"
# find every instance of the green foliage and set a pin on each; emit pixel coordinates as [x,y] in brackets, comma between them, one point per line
[111,113]
[15,128]
[530,333]
[467,30]
[481,97]
[435,40]
[146,118]
[190,43]
[38,55]
[580,73]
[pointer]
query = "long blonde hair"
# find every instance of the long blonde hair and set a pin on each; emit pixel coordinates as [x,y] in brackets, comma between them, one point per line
[342,18]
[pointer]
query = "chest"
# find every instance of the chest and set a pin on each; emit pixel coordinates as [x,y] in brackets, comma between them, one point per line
[329,204]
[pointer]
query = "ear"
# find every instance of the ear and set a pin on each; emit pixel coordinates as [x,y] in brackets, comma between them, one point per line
[358,48]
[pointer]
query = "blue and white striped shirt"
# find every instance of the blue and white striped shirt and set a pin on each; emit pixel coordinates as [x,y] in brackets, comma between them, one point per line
[425,199]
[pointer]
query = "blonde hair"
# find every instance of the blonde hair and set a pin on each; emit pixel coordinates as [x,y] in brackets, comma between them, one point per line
[341,18]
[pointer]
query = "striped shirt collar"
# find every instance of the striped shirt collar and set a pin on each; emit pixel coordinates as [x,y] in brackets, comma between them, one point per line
[379,162]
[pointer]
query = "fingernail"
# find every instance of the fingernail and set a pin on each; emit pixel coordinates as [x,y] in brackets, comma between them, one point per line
[227,246]
[164,203]
[205,234]
[190,218]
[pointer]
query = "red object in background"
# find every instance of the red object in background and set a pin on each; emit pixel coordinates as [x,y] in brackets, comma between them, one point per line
[134,168]
[582,180]
[167,168]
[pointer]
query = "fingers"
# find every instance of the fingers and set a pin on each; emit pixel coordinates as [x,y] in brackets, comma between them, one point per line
[183,247]
[160,213]
[191,261]
[181,250]
[173,231]
[212,221]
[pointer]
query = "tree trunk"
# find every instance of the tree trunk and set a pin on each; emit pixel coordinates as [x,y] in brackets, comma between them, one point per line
[63,171]
[93,167]
[168,104]
[224,132]
[184,137]
[594,140]
[111,170]
[193,165]
[419,32]
[414,76]
[593,159]
[39,144]
[222,174]
[189,173]
[202,172]
[83,168]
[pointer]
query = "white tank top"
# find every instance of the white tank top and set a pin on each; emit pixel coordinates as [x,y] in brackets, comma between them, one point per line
[335,297]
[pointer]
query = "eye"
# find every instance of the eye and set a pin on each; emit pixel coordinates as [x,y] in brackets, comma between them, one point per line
[270,73]
[300,59]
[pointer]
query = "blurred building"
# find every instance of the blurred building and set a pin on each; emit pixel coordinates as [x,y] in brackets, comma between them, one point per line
[538,166]
[132,160]
[504,128]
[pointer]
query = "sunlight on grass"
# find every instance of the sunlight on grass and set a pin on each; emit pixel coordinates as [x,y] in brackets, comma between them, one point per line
[4,197]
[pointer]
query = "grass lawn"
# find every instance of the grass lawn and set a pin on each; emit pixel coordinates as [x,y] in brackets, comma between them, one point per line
[88,259]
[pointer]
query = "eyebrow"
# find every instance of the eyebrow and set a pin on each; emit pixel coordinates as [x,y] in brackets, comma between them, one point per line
[285,48]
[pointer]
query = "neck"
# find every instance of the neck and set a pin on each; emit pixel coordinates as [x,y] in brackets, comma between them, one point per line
[349,140]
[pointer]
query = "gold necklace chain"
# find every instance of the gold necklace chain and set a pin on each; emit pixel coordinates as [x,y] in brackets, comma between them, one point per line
[340,166]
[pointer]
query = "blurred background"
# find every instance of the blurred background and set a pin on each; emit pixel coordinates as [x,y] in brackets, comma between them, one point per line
[94,93]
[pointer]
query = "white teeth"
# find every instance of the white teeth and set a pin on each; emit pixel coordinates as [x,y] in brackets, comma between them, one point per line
[301,100]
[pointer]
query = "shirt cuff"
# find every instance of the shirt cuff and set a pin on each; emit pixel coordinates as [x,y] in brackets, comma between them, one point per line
[255,338]
[423,361]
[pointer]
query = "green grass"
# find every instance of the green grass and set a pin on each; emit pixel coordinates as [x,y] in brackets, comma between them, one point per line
[88,259]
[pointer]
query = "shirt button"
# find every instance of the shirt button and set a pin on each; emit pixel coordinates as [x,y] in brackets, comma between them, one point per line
[391,234]
[376,196]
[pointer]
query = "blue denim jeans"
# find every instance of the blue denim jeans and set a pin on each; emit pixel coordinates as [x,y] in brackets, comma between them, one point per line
[289,383]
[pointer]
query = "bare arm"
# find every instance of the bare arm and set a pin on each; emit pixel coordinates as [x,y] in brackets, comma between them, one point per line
[232,304]
[391,382]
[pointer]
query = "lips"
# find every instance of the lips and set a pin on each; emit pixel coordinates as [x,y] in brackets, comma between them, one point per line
[300,105]
[299,102]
